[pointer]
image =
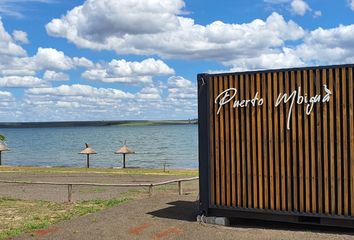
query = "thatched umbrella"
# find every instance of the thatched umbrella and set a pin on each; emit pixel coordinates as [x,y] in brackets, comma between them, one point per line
[3,148]
[124,150]
[88,150]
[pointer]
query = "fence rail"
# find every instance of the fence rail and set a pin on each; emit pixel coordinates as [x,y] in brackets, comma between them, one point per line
[71,184]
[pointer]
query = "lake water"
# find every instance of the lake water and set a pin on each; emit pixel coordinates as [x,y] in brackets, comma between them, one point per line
[175,145]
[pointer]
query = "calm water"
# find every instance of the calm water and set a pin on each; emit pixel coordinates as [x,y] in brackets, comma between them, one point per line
[176,145]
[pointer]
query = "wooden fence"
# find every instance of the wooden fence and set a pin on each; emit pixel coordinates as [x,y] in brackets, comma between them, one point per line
[281,140]
[70,185]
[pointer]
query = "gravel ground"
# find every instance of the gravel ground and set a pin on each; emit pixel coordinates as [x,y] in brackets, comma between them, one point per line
[165,215]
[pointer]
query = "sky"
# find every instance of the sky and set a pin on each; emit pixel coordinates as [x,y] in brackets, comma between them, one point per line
[72,60]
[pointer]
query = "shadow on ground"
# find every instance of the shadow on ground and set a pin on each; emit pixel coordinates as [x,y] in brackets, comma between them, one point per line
[188,210]
[251,223]
[179,210]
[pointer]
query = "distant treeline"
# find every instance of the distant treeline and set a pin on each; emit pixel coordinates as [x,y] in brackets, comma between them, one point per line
[93,123]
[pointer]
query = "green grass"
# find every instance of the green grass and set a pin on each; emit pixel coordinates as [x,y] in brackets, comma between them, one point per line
[20,216]
[141,171]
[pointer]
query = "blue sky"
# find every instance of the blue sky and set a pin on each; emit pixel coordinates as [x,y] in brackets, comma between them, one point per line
[138,59]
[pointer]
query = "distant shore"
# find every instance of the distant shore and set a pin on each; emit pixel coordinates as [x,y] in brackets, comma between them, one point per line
[140,171]
[94,123]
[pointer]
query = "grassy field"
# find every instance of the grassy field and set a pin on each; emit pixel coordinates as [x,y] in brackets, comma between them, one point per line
[142,171]
[20,216]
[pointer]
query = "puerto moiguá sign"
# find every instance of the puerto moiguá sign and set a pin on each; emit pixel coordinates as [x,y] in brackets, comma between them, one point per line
[278,144]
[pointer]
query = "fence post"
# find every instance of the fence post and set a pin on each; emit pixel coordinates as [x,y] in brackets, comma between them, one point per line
[70,191]
[180,190]
[151,190]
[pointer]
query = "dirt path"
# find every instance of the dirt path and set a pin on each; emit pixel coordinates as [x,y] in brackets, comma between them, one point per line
[165,215]
[169,216]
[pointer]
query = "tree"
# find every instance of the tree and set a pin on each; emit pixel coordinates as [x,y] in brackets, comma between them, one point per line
[2,138]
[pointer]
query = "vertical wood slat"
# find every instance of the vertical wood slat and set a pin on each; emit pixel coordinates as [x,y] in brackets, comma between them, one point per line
[338,140]
[326,163]
[294,147]
[212,142]
[332,145]
[318,115]
[227,148]
[238,146]
[222,148]
[307,135]
[351,134]
[270,142]
[217,147]
[300,144]
[248,144]
[265,142]
[257,162]
[276,145]
[254,145]
[259,145]
[344,141]
[233,149]
[289,181]
[282,121]
[243,141]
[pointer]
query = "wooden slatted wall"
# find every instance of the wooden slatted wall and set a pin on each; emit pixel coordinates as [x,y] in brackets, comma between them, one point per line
[256,162]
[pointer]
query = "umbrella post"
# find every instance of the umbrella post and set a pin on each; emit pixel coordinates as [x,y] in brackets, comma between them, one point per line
[88,160]
[0,158]
[123,160]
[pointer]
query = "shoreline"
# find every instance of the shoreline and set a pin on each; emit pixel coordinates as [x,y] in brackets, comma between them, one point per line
[138,171]
[58,124]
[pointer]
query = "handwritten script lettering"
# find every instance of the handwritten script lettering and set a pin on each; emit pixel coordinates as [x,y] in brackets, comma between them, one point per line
[294,97]
[225,97]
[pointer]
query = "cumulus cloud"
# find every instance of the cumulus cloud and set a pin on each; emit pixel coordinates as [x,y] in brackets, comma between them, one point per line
[181,88]
[173,36]
[55,76]
[328,46]
[7,45]
[79,102]
[80,90]
[300,7]
[22,81]
[149,93]
[20,36]
[128,72]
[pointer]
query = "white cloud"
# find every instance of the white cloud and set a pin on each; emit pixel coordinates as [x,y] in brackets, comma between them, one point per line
[328,46]
[128,72]
[5,95]
[181,88]
[15,8]
[149,93]
[217,41]
[55,76]
[80,90]
[351,4]
[50,58]
[317,14]
[20,36]
[7,45]
[22,81]
[300,7]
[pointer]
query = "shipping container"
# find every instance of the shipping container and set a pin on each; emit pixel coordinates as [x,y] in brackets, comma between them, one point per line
[278,145]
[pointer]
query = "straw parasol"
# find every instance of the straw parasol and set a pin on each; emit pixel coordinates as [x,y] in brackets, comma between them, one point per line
[88,150]
[3,148]
[124,150]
